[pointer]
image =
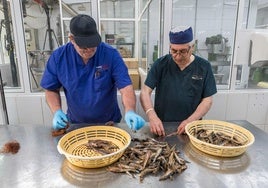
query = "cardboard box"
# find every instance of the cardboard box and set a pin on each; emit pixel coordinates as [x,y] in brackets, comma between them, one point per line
[132,63]
[135,78]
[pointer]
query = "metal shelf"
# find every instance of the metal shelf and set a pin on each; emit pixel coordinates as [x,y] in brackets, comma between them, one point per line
[220,63]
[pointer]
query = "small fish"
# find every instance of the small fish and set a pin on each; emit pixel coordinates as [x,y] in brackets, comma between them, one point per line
[217,138]
[172,134]
[149,156]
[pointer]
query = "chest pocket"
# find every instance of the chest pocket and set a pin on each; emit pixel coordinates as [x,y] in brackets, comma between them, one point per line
[196,85]
[102,80]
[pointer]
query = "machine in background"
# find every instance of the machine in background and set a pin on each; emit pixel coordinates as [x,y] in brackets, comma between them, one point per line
[220,57]
[258,60]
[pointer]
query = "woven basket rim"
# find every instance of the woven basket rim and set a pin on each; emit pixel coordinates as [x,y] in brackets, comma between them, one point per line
[94,127]
[189,125]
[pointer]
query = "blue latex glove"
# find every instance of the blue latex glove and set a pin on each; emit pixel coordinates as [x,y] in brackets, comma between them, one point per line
[60,120]
[134,121]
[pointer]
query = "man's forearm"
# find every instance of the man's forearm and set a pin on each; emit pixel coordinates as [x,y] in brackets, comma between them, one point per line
[201,110]
[53,100]
[145,98]
[128,98]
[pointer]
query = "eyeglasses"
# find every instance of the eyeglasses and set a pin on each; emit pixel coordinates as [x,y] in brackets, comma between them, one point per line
[182,52]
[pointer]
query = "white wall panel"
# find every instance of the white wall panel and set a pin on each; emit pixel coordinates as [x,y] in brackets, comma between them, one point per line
[250,106]
[262,127]
[237,106]
[139,109]
[257,108]
[218,109]
[266,128]
[266,122]
[13,116]
[29,109]
[47,114]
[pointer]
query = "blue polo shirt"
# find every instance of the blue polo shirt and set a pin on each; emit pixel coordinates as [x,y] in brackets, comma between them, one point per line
[178,93]
[90,89]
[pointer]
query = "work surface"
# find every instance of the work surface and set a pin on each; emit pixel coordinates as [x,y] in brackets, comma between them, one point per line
[38,163]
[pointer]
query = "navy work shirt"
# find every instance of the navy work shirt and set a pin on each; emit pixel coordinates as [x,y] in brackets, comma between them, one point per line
[90,89]
[178,93]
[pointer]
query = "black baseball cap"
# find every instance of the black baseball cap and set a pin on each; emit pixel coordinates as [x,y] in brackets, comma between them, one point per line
[84,29]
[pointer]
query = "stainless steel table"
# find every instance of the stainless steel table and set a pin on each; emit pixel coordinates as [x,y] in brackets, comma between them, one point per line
[38,163]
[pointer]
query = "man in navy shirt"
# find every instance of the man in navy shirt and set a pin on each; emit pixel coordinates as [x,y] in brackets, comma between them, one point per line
[90,72]
[183,83]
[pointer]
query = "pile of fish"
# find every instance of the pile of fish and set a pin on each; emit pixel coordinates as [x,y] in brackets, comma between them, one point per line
[12,146]
[216,138]
[149,156]
[102,147]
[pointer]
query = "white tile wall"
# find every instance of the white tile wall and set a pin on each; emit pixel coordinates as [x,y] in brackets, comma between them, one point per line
[13,116]
[266,121]
[237,106]
[250,106]
[218,108]
[257,108]
[47,114]
[29,110]
[262,127]
[266,128]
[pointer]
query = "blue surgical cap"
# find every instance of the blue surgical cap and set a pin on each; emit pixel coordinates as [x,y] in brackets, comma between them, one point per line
[181,37]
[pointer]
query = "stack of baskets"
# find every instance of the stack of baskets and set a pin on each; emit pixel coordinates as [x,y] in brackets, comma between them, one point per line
[230,129]
[73,145]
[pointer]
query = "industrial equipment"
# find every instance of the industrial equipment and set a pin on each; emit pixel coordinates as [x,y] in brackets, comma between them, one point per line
[258,60]
[49,31]
[219,56]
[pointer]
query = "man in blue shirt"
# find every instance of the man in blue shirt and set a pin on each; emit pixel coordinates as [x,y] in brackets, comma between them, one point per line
[90,72]
[183,83]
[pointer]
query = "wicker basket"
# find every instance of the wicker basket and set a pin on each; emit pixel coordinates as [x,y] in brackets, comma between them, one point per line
[242,134]
[72,145]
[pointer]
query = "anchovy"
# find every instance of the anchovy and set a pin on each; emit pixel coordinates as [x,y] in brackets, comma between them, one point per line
[217,138]
[150,156]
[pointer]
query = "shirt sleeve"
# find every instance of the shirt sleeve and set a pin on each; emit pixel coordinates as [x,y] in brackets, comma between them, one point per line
[151,78]
[49,79]
[155,71]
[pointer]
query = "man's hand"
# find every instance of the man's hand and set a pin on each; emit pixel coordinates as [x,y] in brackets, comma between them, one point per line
[60,120]
[156,125]
[134,121]
[181,127]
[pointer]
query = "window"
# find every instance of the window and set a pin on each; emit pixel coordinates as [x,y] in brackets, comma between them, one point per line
[42,35]
[213,25]
[252,56]
[46,28]
[137,29]
[9,63]
[235,47]
[117,20]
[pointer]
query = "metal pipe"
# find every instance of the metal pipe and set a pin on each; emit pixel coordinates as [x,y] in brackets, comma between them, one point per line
[3,101]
